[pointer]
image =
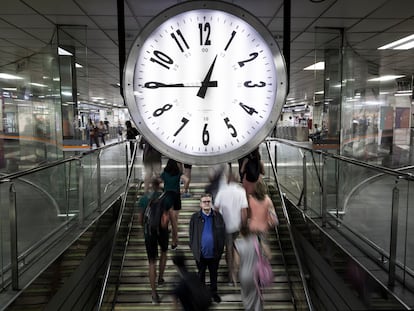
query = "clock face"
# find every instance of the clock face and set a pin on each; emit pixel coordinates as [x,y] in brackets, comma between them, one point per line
[205,82]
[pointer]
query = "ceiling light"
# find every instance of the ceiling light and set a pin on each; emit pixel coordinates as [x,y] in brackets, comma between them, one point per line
[37,84]
[406,46]
[9,88]
[9,76]
[385,78]
[316,66]
[401,44]
[63,52]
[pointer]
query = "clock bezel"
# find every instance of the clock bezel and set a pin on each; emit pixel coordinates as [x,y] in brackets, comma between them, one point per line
[280,88]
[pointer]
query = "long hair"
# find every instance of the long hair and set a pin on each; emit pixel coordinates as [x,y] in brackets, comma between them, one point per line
[172,167]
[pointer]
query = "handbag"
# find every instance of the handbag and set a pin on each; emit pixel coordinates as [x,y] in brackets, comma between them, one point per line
[263,273]
[272,219]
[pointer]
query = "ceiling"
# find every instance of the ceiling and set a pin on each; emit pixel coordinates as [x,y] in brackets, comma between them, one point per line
[28,25]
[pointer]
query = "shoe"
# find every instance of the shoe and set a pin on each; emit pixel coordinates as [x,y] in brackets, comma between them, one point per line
[186,195]
[161,282]
[173,246]
[156,299]
[216,298]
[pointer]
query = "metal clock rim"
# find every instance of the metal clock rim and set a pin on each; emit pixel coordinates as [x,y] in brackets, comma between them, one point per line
[281,88]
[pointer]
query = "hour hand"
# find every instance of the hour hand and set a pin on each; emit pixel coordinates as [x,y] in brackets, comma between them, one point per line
[205,84]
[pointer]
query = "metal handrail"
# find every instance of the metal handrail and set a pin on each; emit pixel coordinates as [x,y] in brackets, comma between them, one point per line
[302,274]
[9,177]
[385,170]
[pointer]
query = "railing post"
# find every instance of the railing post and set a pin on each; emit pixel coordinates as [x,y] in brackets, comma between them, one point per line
[394,233]
[324,203]
[305,183]
[81,194]
[275,156]
[126,159]
[13,238]
[98,182]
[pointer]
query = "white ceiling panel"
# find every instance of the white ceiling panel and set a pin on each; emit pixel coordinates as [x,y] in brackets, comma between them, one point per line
[27,25]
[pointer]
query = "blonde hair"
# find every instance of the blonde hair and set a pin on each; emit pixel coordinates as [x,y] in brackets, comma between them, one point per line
[260,190]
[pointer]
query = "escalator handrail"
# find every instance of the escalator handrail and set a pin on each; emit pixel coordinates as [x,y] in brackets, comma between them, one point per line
[117,227]
[302,274]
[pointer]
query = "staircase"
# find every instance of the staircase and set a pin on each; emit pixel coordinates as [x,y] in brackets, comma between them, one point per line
[134,291]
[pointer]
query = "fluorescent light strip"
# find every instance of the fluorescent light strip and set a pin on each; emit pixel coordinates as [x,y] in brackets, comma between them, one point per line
[397,44]
[385,78]
[316,66]
[62,51]
[9,76]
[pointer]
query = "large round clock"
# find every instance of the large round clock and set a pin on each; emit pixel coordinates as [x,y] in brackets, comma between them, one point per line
[205,82]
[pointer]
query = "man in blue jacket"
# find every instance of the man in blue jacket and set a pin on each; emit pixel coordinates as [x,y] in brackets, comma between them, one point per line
[207,239]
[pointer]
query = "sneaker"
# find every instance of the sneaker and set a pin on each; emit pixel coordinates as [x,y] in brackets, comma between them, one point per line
[156,299]
[216,298]
[173,246]
[186,195]
[161,282]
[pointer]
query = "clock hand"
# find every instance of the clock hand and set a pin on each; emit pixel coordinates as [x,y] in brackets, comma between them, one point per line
[155,85]
[204,85]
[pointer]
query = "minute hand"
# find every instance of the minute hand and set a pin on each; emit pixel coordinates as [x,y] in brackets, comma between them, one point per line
[156,85]
[205,84]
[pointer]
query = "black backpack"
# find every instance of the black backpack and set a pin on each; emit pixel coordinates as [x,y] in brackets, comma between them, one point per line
[153,214]
[252,169]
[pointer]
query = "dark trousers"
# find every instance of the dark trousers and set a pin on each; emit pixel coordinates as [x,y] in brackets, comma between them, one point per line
[212,264]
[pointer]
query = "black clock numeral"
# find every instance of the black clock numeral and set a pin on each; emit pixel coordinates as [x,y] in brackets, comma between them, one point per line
[161,110]
[184,121]
[248,109]
[206,29]
[206,135]
[177,40]
[230,127]
[231,39]
[162,59]
[250,84]
[252,57]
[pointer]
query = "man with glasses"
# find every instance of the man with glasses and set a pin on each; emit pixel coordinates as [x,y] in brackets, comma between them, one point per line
[207,238]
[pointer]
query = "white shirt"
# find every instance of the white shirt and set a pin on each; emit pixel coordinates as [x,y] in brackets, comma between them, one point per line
[230,200]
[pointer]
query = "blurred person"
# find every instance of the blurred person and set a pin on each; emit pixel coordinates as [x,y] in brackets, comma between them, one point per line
[102,131]
[262,212]
[131,135]
[119,131]
[93,134]
[216,177]
[245,257]
[231,202]
[252,170]
[153,240]
[152,160]
[189,291]
[171,176]
[207,238]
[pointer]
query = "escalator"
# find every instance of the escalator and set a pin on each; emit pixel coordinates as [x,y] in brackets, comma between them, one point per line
[134,293]
[337,280]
